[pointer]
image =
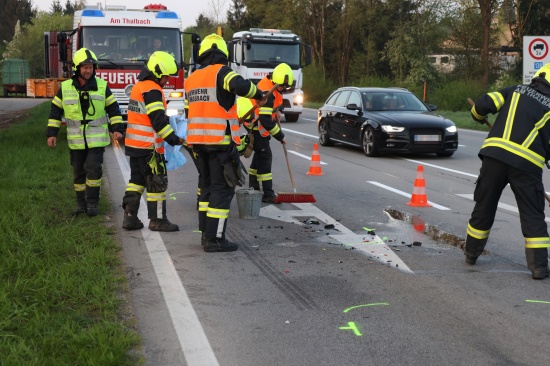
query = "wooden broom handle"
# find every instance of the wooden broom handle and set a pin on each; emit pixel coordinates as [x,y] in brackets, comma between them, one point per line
[286,157]
[257,105]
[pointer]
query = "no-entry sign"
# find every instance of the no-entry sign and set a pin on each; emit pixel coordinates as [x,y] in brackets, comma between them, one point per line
[535,55]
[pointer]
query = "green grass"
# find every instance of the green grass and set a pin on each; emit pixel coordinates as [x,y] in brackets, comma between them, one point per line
[61,280]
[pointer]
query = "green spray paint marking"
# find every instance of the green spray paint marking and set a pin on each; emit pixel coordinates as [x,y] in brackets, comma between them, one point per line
[538,301]
[197,231]
[352,326]
[171,195]
[367,229]
[365,305]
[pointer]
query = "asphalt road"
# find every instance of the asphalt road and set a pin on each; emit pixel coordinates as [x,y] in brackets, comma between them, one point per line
[299,292]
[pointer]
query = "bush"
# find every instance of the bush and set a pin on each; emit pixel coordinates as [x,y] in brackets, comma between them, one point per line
[452,96]
[316,87]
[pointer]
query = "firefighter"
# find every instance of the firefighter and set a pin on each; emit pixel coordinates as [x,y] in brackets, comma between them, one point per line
[265,127]
[148,128]
[91,112]
[213,132]
[514,153]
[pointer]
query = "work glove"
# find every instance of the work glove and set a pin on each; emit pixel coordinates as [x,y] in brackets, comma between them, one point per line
[155,173]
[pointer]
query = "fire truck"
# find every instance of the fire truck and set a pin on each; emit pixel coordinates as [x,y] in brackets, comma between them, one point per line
[255,53]
[122,40]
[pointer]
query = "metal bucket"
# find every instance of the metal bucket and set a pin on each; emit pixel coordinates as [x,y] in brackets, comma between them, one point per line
[249,202]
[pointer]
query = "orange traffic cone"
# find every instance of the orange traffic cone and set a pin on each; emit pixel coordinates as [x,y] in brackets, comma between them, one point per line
[315,166]
[419,198]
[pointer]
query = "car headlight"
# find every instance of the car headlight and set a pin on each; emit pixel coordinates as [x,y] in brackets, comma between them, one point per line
[389,128]
[298,99]
[451,129]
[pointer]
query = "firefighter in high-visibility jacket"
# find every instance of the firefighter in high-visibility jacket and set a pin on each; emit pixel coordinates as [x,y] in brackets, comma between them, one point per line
[514,153]
[213,132]
[264,127]
[148,128]
[90,111]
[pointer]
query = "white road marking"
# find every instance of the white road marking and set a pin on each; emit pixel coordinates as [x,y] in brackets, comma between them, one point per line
[504,206]
[300,133]
[406,194]
[309,119]
[371,245]
[304,156]
[442,168]
[194,344]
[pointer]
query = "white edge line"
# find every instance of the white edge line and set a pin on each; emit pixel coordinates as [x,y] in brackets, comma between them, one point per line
[193,341]
[300,133]
[303,156]
[435,205]
[442,168]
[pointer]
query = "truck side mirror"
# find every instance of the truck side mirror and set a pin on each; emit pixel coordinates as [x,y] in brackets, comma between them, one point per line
[307,51]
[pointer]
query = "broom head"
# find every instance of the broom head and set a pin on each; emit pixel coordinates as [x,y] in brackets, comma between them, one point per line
[289,197]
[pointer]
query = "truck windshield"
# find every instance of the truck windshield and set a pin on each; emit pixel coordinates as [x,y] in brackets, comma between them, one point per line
[272,54]
[128,46]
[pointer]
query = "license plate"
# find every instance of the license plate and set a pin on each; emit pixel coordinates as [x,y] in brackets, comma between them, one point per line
[427,138]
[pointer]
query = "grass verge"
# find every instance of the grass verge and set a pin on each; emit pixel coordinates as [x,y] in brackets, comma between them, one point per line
[61,278]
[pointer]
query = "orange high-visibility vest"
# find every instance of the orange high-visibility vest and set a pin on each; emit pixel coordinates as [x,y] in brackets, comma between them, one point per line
[207,119]
[265,85]
[139,131]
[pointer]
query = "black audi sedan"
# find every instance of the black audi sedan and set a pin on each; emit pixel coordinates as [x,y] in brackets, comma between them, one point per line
[383,121]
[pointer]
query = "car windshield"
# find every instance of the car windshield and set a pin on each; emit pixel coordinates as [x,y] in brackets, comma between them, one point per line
[392,101]
[130,45]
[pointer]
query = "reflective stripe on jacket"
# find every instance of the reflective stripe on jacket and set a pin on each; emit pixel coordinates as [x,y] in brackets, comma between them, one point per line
[207,119]
[519,136]
[139,132]
[91,130]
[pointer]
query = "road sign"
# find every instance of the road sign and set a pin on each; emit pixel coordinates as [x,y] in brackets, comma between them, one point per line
[535,55]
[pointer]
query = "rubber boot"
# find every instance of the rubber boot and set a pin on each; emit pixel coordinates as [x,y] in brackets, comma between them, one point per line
[203,239]
[219,245]
[131,222]
[80,204]
[92,209]
[537,262]
[269,194]
[130,204]
[159,224]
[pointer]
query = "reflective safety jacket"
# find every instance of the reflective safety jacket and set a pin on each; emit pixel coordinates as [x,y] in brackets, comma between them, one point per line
[92,130]
[520,135]
[207,119]
[267,123]
[140,133]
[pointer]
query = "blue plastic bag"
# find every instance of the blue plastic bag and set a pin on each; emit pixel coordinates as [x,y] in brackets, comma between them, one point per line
[174,157]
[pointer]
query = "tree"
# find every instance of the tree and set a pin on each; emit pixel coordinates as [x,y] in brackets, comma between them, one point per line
[487,8]
[56,7]
[12,12]
[29,43]
[236,15]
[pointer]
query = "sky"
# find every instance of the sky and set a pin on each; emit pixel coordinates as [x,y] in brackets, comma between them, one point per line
[189,10]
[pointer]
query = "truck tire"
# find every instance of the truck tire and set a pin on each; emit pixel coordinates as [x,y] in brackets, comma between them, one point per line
[292,117]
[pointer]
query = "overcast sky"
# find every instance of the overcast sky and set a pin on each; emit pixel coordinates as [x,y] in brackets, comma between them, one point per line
[189,10]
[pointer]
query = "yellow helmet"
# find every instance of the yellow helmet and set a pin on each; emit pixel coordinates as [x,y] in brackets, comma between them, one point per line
[213,41]
[243,106]
[546,70]
[283,75]
[84,56]
[162,64]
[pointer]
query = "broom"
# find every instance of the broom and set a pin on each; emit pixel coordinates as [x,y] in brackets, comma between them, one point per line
[292,197]
[257,105]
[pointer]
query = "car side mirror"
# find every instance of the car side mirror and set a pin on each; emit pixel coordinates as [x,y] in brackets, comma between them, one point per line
[432,107]
[355,107]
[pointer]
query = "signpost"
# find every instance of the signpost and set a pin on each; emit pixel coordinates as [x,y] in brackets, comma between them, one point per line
[535,55]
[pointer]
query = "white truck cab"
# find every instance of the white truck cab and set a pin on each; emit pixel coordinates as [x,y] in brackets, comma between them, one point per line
[255,53]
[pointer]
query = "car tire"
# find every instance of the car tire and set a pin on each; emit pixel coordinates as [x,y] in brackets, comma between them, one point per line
[324,138]
[292,117]
[368,143]
[446,154]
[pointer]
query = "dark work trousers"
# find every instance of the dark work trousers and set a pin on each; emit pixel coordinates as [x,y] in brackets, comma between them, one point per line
[529,193]
[136,187]
[87,172]
[196,162]
[216,194]
[260,167]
